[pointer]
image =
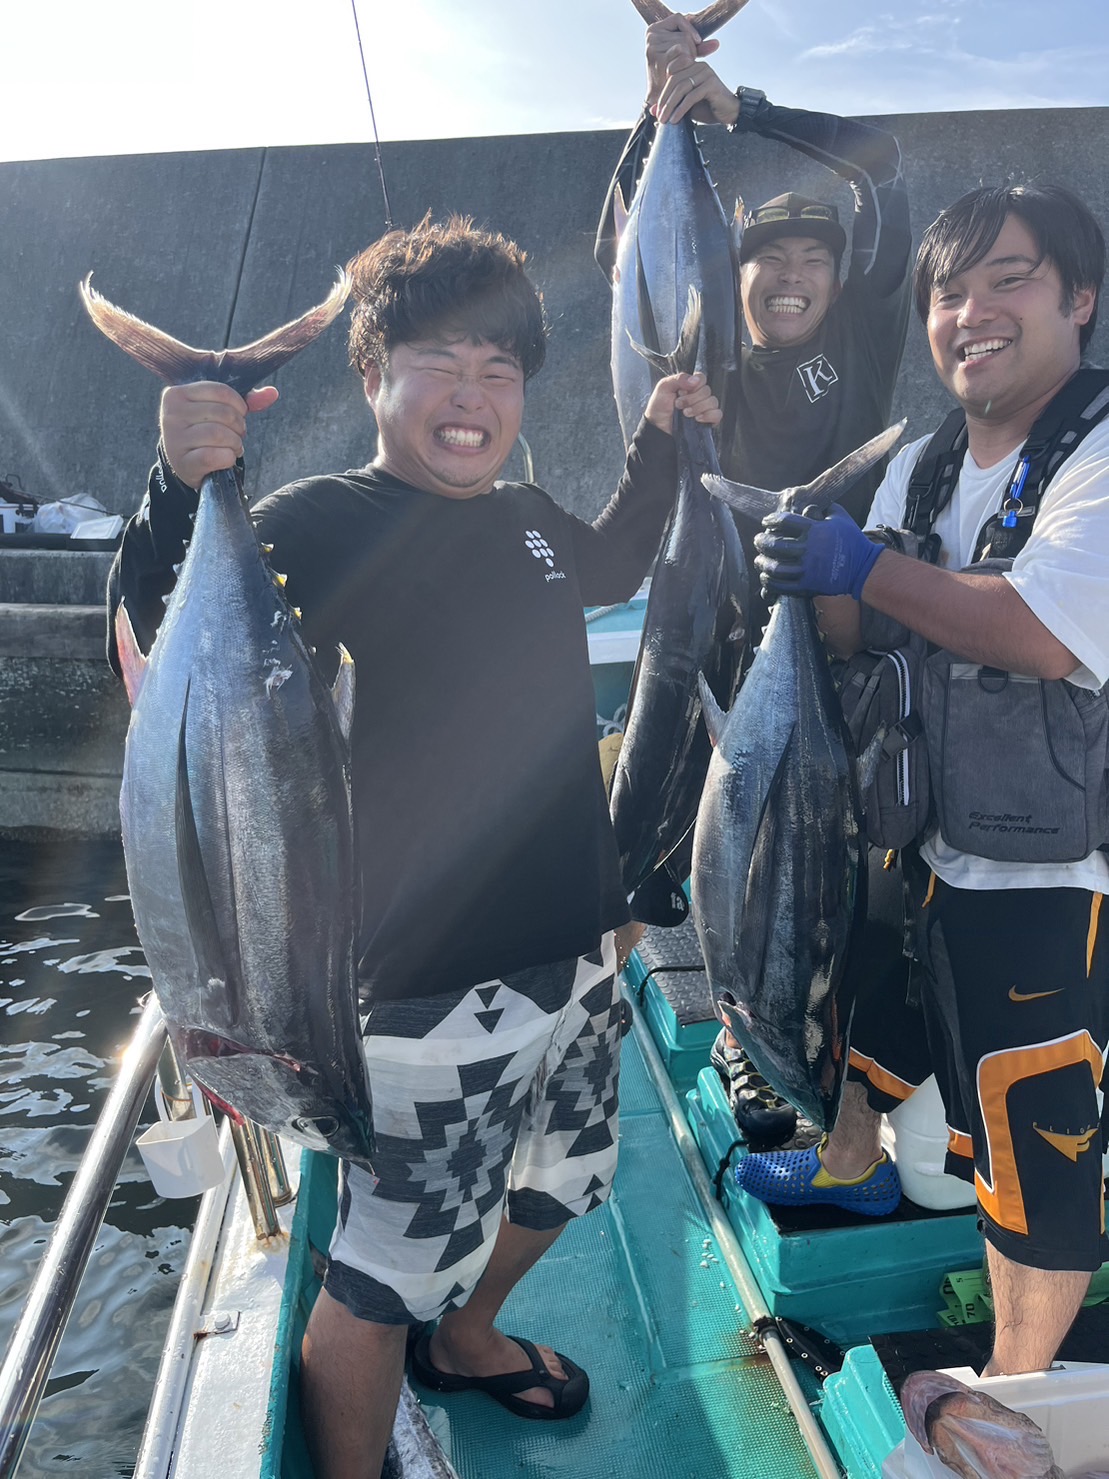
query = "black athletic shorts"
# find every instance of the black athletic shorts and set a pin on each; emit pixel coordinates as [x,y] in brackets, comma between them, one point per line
[1013,1019]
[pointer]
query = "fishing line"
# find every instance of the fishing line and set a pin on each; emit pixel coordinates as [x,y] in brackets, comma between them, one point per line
[373,118]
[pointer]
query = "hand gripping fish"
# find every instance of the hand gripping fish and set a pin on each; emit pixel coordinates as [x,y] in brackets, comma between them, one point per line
[694,623]
[674,235]
[779,855]
[235,807]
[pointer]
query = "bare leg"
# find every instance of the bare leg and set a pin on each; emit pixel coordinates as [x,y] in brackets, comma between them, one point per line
[1033,1310]
[466,1343]
[350,1377]
[856,1142]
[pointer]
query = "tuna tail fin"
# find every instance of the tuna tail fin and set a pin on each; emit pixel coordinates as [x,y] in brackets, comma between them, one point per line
[823,491]
[682,359]
[705,21]
[179,363]
[756,503]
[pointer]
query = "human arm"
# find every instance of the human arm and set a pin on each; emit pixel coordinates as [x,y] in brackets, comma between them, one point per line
[980,618]
[869,160]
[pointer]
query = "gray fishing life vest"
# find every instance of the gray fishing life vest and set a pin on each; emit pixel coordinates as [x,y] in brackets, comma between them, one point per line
[1011,768]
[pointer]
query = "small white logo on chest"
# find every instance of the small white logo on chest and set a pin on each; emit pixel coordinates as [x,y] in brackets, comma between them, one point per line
[539,546]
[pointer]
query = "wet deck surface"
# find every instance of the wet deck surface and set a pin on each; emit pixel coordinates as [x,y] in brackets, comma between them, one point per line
[632,1294]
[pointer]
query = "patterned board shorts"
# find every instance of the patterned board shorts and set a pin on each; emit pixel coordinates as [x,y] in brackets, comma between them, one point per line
[499,1098]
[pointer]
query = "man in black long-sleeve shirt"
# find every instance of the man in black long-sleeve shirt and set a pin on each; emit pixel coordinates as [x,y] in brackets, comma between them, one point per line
[816,380]
[488,863]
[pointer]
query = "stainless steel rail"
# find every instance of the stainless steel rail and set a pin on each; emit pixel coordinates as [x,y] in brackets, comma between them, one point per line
[821,1454]
[38,1333]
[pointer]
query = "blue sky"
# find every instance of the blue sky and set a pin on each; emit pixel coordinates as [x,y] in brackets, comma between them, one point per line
[122,76]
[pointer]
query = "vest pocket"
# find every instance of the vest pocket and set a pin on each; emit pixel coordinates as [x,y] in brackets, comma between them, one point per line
[1017,763]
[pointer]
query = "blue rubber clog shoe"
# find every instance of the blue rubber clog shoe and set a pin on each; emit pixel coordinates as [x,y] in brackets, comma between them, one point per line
[797,1178]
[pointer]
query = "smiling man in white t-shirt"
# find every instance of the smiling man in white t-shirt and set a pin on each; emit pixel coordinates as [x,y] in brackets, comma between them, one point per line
[1015,978]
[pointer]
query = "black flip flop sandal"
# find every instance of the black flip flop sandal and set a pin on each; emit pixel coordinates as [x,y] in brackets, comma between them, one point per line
[569,1396]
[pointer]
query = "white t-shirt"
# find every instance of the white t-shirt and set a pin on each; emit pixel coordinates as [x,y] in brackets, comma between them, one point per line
[1062,574]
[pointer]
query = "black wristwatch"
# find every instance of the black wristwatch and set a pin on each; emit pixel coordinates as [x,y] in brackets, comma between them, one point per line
[750,101]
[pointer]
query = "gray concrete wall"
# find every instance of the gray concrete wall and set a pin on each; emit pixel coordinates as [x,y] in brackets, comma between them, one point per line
[219,247]
[222,246]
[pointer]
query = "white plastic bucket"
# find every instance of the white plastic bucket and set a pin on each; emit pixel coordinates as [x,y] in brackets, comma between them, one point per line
[182,1157]
[915,1134]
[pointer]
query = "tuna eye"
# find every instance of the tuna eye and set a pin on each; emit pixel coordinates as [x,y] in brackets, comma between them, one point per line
[323,1127]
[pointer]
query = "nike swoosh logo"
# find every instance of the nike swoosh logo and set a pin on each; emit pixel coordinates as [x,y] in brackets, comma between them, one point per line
[1069,1145]
[1015,995]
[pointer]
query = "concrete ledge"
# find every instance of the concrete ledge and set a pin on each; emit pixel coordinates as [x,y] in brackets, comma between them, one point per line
[53,631]
[55,576]
[34,804]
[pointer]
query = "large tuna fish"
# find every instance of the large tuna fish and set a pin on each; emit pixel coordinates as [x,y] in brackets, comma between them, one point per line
[779,856]
[235,807]
[694,623]
[674,235]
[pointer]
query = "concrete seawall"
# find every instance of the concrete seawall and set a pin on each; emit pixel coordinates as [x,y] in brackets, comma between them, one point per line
[219,247]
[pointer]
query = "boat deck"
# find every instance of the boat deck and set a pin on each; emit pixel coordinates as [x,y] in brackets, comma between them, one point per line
[638,1294]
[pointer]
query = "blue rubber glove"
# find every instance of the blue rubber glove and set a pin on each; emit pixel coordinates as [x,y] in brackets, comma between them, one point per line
[800,556]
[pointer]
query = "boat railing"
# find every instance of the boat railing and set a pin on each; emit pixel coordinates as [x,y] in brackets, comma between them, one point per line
[38,1332]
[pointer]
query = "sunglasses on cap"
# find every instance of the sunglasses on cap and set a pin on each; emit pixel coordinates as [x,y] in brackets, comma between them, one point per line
[769,213]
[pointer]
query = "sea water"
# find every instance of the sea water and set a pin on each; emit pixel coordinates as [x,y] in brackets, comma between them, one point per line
[72,977]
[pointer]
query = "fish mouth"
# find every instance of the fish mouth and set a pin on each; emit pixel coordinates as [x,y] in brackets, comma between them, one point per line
[981,349]
[787,303]
[462,438]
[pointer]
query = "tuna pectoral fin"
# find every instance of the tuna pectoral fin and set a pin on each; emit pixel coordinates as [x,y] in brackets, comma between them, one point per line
[714,714]
[866,766]
[196,895]
[342,692]
[756,503]
[132,659]
[682,359]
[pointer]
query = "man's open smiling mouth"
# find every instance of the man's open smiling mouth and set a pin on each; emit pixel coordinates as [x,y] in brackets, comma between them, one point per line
[971,353]
[786,303]
[462,436]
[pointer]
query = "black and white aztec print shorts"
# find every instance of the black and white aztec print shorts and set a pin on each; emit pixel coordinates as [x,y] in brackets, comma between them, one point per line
[499,1099]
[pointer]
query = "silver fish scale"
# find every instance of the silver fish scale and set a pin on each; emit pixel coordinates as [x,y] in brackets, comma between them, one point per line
[777,866]
[256,945]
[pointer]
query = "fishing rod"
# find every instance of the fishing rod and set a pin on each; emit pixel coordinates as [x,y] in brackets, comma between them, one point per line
[373,118]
